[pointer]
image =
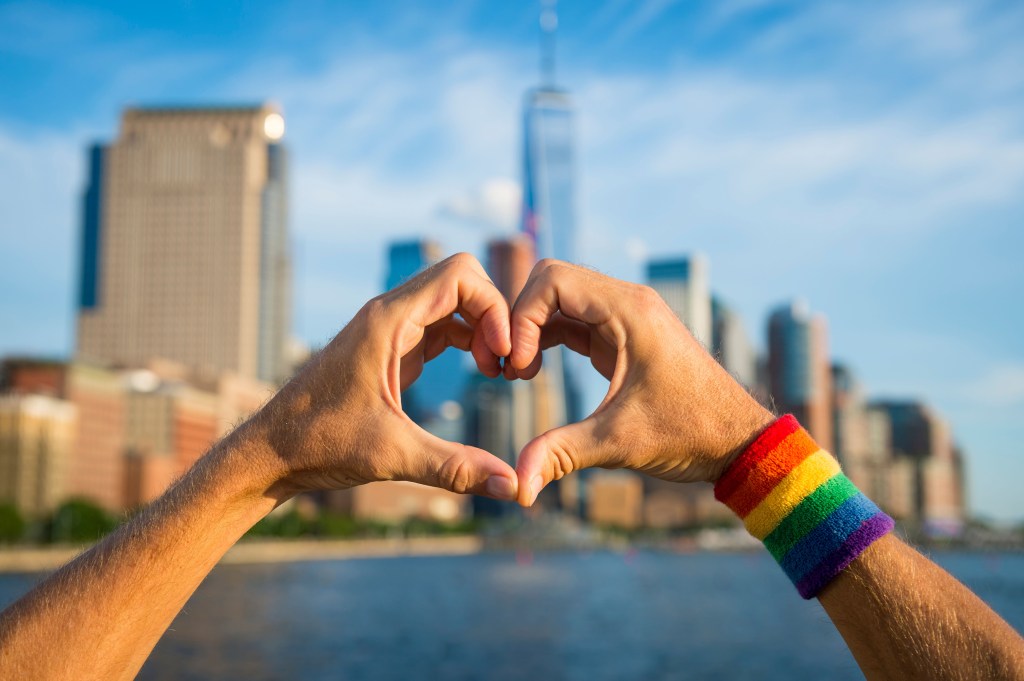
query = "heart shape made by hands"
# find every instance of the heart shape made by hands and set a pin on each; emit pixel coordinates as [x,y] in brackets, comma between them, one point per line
[670,409]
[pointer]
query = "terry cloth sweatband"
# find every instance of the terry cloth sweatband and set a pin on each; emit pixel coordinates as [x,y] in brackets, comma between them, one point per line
[792,495]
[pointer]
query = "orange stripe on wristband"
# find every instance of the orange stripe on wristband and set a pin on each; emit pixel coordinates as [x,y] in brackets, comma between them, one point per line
[737,474]
[785,484]
[787,454]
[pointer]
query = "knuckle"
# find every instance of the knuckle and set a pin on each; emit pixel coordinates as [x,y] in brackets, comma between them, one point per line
[375,311]
[546,268]
[647,297]
[461,261]
[551,273]
[455,475]
[545,264]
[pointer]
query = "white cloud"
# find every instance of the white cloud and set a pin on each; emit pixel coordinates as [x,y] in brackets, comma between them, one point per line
[731,146]
[496,204]
[637,250]
[1001,386]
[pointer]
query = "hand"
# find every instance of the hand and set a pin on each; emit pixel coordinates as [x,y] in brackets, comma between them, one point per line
[339,422]
[671,411]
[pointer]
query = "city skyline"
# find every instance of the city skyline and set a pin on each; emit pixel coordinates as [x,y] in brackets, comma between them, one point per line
[875,181]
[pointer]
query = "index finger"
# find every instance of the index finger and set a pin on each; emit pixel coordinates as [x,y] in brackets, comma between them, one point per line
[457,284]
[555,286]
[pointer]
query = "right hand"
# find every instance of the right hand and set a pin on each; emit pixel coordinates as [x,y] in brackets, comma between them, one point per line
[671,410]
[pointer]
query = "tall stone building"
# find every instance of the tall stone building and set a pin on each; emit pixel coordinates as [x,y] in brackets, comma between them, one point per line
[799,373]
[862,442]
[36,433]
[185,250]
[731,346]
[927,479]
[850,441]
[684,284]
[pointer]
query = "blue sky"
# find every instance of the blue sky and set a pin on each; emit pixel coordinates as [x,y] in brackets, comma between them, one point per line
[866,156]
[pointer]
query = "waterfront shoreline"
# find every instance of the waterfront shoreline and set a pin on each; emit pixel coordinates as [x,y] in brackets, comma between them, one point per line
[42,559]
[45,559]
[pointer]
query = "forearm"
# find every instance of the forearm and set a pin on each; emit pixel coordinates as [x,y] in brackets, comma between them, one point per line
[104,611]
[904,617]
[337,423]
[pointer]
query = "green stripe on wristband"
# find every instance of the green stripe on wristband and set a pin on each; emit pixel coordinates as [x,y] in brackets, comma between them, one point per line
[792,495]
[808,514]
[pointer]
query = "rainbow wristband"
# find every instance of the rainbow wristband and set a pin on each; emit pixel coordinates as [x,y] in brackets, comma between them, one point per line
[792,495]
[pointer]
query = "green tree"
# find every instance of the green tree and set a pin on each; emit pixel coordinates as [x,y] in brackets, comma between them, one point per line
[292,524]
[336,525]
[12,525]
[79,520]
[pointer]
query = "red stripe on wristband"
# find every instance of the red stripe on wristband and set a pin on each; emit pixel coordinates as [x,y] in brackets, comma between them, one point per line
[791,494]
[770,471]
[737,474]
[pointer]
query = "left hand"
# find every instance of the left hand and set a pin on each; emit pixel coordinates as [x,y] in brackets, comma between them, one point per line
[339,423]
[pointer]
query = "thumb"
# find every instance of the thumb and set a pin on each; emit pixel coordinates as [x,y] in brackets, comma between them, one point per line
[559,452]
[460,468]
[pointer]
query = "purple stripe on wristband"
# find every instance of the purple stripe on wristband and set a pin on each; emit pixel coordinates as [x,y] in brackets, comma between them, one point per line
[829,536]
[871,529]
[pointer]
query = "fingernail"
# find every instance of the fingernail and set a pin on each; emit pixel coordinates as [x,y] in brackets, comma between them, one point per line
[500,487]
[536,485]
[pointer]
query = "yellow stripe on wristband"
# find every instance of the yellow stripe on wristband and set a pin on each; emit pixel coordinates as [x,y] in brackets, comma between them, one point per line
[792,495]
[812,472]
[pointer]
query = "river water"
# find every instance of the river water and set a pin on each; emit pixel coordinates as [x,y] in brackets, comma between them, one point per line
[585,616]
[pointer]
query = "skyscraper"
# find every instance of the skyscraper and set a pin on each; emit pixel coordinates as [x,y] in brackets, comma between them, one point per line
[185,252]
[549,184]
[509,262]
[501,416]
[443,379]
[683,283]
[851,429]
[406,259]
[731,345]
[549,190]
[549,220]
[932,466]
[799,374]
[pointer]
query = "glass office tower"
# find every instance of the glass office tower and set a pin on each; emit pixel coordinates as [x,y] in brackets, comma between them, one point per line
[549,220]
[549,192]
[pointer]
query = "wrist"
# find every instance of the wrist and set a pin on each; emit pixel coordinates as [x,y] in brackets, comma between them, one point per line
[248,471]
[740,427]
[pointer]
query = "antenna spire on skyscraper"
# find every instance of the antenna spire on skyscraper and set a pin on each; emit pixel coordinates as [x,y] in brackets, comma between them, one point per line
[548,26]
